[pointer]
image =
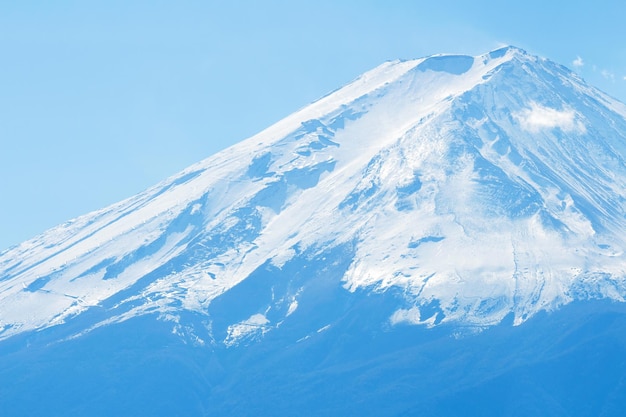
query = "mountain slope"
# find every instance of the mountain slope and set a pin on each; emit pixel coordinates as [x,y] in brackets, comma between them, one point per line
[468,188]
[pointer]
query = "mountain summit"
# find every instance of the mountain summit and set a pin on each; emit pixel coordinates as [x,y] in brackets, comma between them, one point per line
[469,189]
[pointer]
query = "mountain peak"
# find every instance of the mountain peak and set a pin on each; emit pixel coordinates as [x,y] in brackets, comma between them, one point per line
[507,49]
[459,64]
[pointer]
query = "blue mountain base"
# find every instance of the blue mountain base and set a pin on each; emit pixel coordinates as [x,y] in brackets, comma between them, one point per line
[566,363]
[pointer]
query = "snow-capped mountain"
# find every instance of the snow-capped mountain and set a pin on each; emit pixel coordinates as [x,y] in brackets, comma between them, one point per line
[341,262]
[471,188]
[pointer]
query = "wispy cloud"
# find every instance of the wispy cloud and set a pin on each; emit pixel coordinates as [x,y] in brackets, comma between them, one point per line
[539,117]
[578,62]
[608,75]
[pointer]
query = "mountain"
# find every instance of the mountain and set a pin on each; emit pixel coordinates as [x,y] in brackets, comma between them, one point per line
[438,235]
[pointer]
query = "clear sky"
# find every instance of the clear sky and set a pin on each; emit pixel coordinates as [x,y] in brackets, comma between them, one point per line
[101,99]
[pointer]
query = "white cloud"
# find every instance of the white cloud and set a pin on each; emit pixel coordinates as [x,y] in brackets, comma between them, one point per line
[539,117]
[578,62]
[608,75]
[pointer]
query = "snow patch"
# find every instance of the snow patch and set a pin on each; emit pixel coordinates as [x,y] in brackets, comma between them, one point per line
[406,316]
[292,307]
[251,328]
[323,329]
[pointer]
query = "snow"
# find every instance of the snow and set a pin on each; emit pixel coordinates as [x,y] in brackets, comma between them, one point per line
[409,316]
[483,186]
[293,306]
[254,326]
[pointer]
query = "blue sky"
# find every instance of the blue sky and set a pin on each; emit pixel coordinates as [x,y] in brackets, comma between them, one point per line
[101,99]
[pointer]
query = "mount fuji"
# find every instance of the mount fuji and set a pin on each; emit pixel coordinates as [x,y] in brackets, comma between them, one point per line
[441,236]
